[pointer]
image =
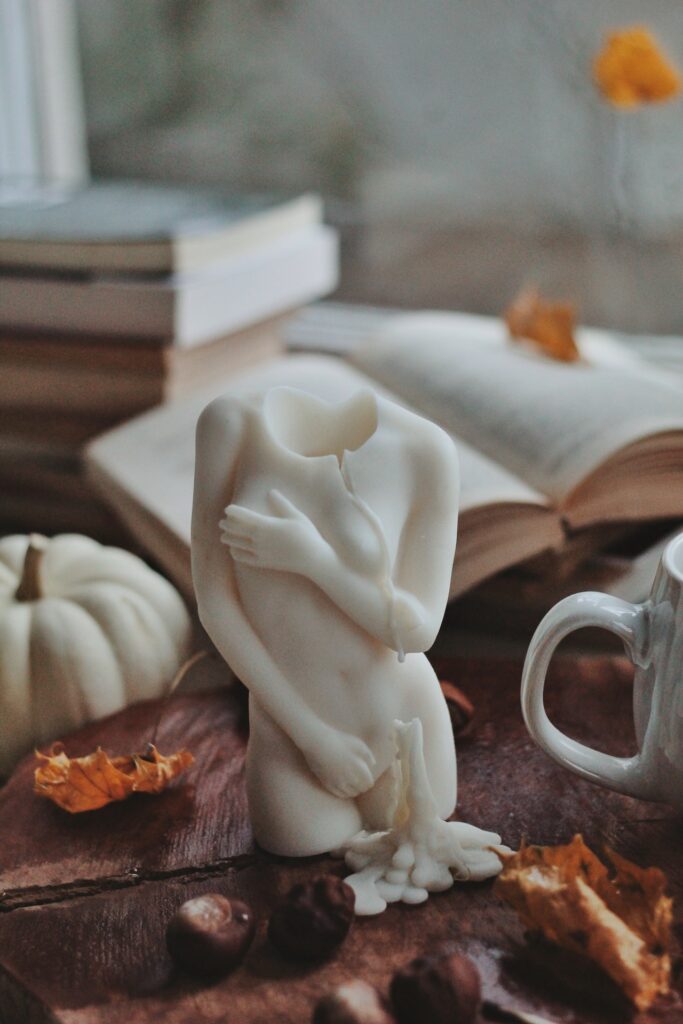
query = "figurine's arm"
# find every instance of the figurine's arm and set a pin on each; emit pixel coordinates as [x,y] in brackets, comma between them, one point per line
[421,578]
[342,762]
[389,616]
[427,547]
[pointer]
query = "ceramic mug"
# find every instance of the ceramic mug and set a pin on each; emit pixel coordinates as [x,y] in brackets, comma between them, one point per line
[653,637]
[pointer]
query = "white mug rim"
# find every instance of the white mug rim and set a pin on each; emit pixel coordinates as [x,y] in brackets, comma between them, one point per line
[672,559]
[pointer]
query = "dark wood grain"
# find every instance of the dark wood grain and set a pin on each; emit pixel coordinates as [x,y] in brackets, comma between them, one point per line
[96,954]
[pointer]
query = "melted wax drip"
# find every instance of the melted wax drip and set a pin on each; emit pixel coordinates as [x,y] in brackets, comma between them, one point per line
[420,853]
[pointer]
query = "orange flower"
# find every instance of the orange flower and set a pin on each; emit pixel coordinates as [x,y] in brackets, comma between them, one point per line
[631,70]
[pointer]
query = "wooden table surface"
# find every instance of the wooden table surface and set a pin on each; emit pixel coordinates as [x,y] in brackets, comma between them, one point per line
[84,900]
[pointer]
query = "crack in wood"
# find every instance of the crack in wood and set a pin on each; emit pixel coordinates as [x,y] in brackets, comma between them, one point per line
[38,896]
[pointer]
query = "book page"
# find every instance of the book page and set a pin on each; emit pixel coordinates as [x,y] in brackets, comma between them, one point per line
[547,422]
[485,482]
[663,352]
[151,458]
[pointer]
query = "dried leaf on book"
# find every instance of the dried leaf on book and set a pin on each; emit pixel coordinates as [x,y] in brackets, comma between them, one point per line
[622,922]
[549,324]
[86,783]
[630,70]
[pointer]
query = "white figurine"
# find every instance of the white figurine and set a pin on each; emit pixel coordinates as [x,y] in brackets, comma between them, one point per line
[338,528]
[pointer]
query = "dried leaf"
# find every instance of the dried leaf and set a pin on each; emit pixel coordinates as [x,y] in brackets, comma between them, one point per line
[623,923]
[549,324]
[86,783]
[630,70]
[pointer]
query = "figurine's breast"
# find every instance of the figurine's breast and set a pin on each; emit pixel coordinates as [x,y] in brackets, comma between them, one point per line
[354,529]
[346,499]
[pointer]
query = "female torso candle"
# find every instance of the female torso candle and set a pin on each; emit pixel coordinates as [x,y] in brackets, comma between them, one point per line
[338,527]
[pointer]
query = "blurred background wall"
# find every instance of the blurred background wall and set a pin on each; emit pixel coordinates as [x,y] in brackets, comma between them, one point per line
[461,144]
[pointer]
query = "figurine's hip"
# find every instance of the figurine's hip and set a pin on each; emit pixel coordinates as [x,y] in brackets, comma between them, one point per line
[292,815]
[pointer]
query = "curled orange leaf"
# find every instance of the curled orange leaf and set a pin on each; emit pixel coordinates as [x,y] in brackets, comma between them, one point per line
[550,325]
[630,70]
[622,921]
[86,783]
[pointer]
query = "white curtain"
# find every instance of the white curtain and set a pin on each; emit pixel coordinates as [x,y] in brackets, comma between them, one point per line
[42,119]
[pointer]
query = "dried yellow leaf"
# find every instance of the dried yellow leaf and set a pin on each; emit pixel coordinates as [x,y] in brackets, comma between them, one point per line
[623,923]
[87,783]
[550,325]
[631,70]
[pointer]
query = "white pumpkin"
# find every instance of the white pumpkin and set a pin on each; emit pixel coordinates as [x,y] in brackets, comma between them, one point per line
[84,631]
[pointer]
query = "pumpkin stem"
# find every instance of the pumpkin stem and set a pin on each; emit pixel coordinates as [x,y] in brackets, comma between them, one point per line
[30,587]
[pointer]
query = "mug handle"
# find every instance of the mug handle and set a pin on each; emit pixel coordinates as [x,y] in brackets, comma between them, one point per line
[628,621]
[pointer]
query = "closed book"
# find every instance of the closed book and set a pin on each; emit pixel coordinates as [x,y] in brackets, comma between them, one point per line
[143,226]
[183,309]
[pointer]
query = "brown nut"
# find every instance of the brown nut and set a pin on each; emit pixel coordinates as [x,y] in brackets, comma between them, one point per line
[353,1003]
[442,989]
[210,934]
[460,707]
[313,919]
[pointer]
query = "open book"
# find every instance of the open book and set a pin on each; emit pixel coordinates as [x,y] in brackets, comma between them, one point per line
[544,447]
[597,442]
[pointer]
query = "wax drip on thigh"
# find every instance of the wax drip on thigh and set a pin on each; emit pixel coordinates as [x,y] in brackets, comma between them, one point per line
[386,582]
[420,853]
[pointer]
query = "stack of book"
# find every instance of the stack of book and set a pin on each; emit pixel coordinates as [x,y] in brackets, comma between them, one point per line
[118,297]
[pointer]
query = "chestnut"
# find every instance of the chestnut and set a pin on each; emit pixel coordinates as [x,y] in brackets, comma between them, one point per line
[210,934]
[356,1002]
[441,989]
[313,919]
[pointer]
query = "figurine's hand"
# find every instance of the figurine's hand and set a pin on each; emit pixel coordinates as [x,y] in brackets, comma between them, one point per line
[341,762]
[287,541]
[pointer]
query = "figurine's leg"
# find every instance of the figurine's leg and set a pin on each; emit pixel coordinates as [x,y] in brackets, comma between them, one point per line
[291,814]
[423,699]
